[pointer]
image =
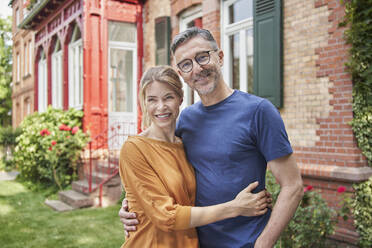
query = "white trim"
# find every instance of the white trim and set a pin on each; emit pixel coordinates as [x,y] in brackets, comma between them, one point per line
[127,47]
[30,62]
[57,80]
[189,15]
[75,74]
[18,76]
[228,30]
[42,84]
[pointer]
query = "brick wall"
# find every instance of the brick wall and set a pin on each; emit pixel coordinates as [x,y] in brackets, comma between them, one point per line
[152,10]
[318,101]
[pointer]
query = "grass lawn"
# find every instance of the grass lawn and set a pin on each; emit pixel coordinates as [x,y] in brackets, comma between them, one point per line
[25,222]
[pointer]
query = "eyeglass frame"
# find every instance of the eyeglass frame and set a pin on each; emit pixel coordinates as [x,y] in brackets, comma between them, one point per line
[192,63]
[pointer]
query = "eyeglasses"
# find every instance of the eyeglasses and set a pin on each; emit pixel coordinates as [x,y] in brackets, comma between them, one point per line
[201,58]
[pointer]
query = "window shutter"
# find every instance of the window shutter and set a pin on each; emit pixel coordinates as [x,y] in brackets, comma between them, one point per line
[162,37]
[268,51]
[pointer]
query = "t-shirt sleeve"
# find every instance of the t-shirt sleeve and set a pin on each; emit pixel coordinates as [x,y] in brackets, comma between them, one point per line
[137,174]
[271,136]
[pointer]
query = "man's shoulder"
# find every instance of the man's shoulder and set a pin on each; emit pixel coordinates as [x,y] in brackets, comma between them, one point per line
[192,109]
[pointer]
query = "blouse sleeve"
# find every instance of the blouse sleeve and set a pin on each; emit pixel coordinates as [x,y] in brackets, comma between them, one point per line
[149,191]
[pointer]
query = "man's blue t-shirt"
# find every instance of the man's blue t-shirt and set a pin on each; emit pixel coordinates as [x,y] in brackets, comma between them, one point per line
[229,145]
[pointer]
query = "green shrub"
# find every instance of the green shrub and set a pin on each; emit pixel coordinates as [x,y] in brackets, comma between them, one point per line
[312,222]
[49,148]
[362,211]
[8,137]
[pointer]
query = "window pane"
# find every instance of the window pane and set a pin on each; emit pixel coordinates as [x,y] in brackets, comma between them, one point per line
[42,85]
[30,56]
[240,10]
[121,80]
[249,43]
[122,31]
[80,74]
[75,74]
[234,53]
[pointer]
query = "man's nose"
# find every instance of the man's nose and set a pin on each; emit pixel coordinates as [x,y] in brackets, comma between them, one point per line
[197,68]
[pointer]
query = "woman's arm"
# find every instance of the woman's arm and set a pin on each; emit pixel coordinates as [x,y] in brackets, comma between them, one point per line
[245,203]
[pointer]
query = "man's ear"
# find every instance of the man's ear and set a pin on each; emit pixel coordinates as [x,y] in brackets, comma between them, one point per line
[220,57]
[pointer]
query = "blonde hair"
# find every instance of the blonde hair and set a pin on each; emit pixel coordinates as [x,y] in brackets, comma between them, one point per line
[163,74]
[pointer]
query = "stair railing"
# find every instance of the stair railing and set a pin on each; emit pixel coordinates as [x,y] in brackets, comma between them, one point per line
[104,152]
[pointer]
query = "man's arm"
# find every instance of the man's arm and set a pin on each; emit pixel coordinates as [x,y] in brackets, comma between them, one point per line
[288,176]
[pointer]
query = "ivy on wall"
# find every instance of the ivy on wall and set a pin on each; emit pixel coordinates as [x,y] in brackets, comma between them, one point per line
[359,34]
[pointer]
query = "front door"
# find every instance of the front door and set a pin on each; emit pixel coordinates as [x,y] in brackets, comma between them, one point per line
[122,88]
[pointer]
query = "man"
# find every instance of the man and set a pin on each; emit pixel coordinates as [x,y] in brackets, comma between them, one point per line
[230,137]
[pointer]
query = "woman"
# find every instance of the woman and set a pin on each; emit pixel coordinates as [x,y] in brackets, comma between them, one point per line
[158,180]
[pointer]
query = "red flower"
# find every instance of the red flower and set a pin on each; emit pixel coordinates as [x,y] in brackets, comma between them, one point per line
[50,148]
[308,188]
[74,130]
[64,127]
[341,189]
[54,142]
[68,137]
[45,131]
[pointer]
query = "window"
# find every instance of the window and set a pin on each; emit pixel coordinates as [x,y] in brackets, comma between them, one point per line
[162,37]
[30,59]
[57,77]
[24,8]
[18,75]
[25,57]
[17,20]
[26,107]
[251,40]
[75,70]
[190,18]
[122,69]
[42,83]
[238,44]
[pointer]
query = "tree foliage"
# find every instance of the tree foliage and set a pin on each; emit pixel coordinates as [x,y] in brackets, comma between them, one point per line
[5,71]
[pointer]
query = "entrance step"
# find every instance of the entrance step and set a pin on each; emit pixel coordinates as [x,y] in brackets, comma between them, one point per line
[58,205]
[75,199]
[82,186]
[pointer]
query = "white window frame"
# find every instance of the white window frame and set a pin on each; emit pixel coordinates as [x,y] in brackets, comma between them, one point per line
[57,77]
[186,17]
[25,57]
[30,62]
[227,30]
[75,72]
[18,75]
[42,84]
[127,46]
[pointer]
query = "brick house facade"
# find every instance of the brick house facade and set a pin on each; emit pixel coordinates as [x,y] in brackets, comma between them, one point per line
[315,87]
[23,66]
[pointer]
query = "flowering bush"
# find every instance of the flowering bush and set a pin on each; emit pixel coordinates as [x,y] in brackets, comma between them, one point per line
[48,150]
[312,222]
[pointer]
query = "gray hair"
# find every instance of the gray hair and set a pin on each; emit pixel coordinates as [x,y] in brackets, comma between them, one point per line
[190,33]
